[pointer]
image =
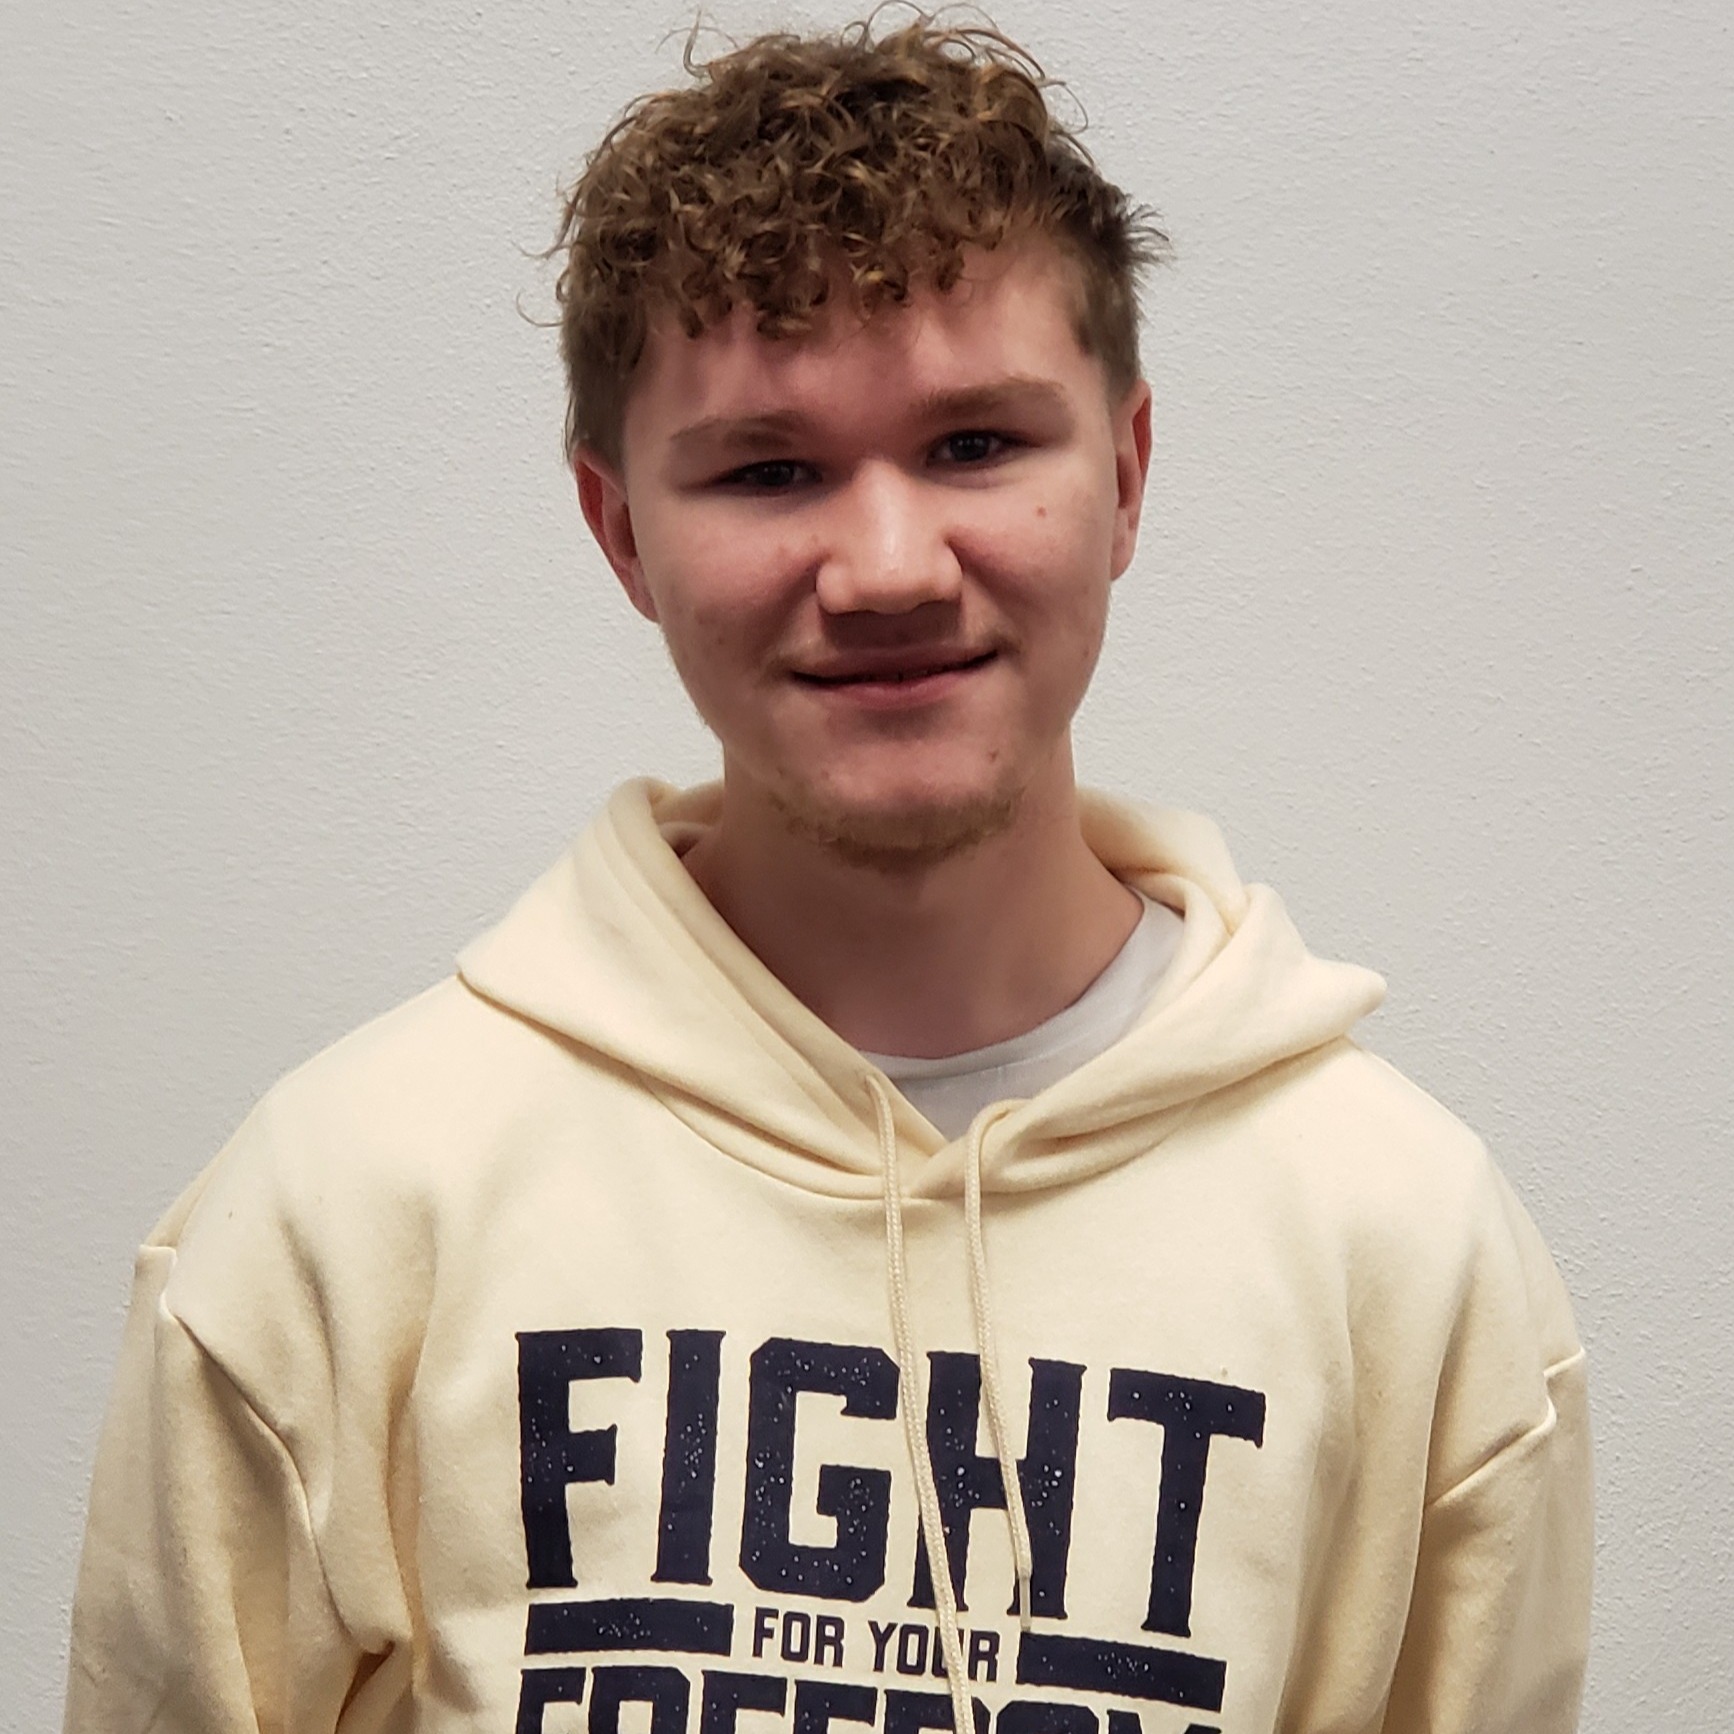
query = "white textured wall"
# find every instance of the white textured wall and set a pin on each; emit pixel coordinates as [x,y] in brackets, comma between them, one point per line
[305,666]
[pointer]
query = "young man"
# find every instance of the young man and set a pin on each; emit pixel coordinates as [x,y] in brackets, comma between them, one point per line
[886,1240]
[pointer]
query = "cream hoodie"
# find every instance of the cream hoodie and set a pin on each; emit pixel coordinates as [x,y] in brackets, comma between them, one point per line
[556,1352]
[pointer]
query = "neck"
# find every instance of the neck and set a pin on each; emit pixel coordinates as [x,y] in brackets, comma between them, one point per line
[932,960]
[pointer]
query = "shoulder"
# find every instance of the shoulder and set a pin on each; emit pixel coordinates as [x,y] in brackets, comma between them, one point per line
[1411,1197]
[324,1212]
[445,1060]
[388,1113]
[1360,1133]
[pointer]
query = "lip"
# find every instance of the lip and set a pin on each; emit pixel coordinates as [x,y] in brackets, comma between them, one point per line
[895,683]
[893,666]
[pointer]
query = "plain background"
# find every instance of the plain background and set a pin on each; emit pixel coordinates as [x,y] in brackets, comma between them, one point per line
[306,667]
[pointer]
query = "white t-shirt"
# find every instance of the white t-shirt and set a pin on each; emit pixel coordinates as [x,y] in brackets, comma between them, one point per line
[952,1090]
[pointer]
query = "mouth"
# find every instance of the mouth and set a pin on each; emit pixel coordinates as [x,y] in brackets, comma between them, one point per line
[890,673]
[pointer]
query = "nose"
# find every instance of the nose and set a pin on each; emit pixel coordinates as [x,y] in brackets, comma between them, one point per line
[888,549]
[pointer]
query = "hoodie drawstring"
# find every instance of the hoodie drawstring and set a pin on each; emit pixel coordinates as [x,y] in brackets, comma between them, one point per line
[912,1399]
[913,1405]
[991,1388]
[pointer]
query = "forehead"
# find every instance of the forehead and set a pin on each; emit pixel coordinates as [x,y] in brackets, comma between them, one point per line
[1014,313]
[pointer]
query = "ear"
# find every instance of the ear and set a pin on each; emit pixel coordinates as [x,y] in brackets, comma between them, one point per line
[1131,470]
[602,494]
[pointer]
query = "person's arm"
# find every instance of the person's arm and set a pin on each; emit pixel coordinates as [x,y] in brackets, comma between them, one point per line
[202,1606]
[1498,1628]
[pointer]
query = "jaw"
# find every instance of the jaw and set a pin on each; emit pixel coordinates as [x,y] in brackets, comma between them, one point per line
[900,809]
[904,838]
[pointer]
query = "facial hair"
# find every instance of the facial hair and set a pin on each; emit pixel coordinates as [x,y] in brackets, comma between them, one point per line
[910,841]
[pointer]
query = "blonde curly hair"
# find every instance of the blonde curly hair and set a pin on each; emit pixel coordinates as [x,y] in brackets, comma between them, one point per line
[794,164]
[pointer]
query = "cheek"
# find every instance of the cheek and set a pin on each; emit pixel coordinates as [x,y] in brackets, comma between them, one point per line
[1064,567]
[1053,557]
[722,626]
[1066,506]
[715,572]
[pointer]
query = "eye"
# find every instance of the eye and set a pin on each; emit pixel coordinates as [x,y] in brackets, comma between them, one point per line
[970,446]
[770,476]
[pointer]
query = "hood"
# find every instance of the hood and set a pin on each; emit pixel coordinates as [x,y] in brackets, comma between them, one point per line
[616,950]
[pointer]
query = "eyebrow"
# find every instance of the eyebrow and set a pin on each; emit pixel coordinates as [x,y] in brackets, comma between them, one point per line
[1016,393]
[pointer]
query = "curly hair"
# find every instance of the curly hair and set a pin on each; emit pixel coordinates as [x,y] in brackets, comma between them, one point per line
[795,166]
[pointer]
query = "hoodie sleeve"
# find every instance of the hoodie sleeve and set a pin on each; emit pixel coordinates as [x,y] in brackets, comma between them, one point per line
[1498,1626]
[201,1605]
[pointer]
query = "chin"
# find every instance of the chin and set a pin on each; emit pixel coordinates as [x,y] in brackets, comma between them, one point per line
[899,836]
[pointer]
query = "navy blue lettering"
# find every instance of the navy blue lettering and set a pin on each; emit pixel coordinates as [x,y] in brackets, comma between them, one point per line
[965,1481]
[1129,1722]
[828,1641]
[1048,1475]
[1190,1412]
[1034,1716]
[550,1455]
[1120,1670]
[797,1644]
[689,1457]
[882,1636]
[911,1712]
[858,1499]
[819,1703]
[984,1655]
[665,1690]
[544,1686]
[764,1629]
[726,1695]
[630,1623]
